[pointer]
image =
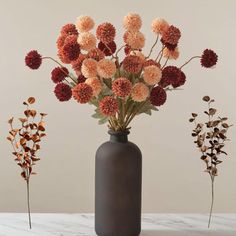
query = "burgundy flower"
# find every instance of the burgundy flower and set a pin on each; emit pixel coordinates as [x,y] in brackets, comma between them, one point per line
[58,74]
[81,79]
[33,60]
[209,58]
[69,29]
[181,80]
[168,45]
[107,49]
[71,50]
[170,76]
[158,96]
[132,64]
[63,92]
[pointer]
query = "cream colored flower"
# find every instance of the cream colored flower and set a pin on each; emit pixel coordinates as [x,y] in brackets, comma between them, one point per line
[89,68]
[139,92]
[96,85]
[106,68]
[132,22]
[84,24]
[87,41]
[152,75]
[159,26]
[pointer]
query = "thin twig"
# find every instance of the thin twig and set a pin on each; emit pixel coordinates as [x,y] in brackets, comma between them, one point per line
[28,202]
[212,199]
[155,43]
[189,61]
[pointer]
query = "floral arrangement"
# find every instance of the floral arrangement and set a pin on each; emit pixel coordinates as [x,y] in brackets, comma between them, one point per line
[210,140]
[119,87]
[25,141]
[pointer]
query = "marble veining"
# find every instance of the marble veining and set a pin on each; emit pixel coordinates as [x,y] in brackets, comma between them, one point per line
[16,224]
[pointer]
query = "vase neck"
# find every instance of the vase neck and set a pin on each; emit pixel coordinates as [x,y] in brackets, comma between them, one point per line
[119,136]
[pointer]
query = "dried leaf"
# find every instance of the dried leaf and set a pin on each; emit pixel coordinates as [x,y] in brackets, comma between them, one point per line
[10,120]
[206,98]
[194,115]
[31,100]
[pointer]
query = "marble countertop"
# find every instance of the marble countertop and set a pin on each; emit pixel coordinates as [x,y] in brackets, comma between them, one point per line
[16,224]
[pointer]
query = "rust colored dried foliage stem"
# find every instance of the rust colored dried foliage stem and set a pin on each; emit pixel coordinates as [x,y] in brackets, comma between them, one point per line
[25,142]
[210,138]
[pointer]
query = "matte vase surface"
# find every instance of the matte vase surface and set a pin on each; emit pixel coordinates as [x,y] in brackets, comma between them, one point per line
[118,184]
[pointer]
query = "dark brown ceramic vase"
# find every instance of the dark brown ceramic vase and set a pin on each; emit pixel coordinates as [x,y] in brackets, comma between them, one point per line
[118,187]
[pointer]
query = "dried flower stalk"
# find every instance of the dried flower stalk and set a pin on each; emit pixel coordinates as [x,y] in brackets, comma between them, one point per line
[25,141]
[211,138]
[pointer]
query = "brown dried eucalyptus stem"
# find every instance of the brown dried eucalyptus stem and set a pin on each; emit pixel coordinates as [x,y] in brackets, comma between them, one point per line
[210,140]
[25,142]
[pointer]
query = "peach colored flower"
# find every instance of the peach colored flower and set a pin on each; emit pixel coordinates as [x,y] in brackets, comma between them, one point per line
[89,68]
[171,54]
[132,21]
[96,85]
[106,68]
[152,74]
[87,41]
[159,26]
[135,39]
[139,92]
[84,24]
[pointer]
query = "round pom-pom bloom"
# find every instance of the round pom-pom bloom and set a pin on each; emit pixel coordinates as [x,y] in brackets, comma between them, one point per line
[170,76]
[127,49]
[63,92]
[171,54]
[95,84]
[209,58]
[132,22]
[89,68]
[58,74]
[71,51]
[121,87]
[152,74]
[181,80]
[135,39]
[151,62]
[33,60]
[139,92]
[87,41]
[168,45]
[62,57]
[76,64]
[106,32]
[96,54]
[158,96]
[106,68]
[132,64]
[69,29]
[84,24]
[172,35]
[108,49]
[108,106]
[159,26]
[81,79]
[60,41]
[82,93]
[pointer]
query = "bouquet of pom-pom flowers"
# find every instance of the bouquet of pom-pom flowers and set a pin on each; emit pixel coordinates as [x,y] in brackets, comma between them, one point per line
[119,88]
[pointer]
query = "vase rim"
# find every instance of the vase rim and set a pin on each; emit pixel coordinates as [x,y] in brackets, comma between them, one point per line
[118,133]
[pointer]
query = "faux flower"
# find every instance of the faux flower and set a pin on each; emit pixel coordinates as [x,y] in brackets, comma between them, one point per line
[170,76]
[151,62]
[95,84]
[127,50]
[69,29]
[152,74]
[209,58]
[132,22]
[135,39]
[132,64]
[171,54]
[71,51]
[159,26]
[63,92]
[82,93]
[87,41]
[108,106]
[106,68]
[96,54]
[138,54]
[81,79]
[158,96]
[70,39]
[76,64]
[181,80]
[89,68]
[84,24]
[139,92]
[33,60]
[172,35]
[106,32]
[60,41]
[168,45]
[58,74]
[108,49]
[121,87]
[62,57]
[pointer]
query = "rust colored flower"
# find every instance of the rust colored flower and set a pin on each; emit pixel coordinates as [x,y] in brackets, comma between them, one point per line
[108,49]
[84,24]
[82,93]
[89,68]
[209,58]
[58,74]
[60,41]
[69,29]
[132,64]
[76,64]
[138,54]
[106,68]
[71,51]
[170,76]
[151,75]
[63,92]
[106,32]
[127,50]
[87,41]
[95,84]
[151,62]
[121,87]
[33,60]
[132,22]
[62,57]
[172,35]
[108,106]
[158,96]
[96,54]
[139,92]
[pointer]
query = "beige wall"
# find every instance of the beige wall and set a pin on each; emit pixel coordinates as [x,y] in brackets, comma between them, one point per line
[173,177]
